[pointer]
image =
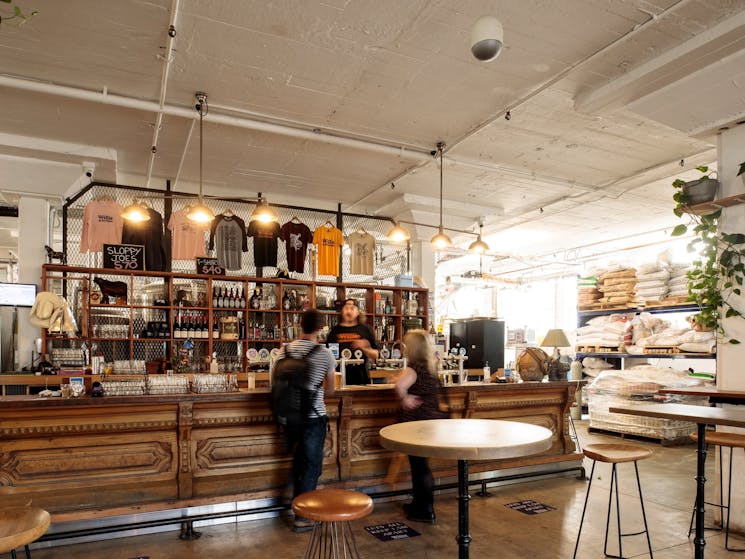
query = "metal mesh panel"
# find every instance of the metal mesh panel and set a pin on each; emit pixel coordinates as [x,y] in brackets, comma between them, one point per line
[390,258]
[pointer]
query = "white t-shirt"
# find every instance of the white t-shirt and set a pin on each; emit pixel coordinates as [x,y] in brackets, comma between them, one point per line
[362,258]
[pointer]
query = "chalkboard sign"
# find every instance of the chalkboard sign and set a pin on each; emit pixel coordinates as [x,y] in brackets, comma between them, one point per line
[210,267]
[124,257]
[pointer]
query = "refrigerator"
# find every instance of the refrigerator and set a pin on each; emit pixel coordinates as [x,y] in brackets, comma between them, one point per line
[483,339]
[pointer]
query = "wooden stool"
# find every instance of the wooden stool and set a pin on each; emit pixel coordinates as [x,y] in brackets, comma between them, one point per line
[332,510]
[615,453]
[19,526]
[731,440]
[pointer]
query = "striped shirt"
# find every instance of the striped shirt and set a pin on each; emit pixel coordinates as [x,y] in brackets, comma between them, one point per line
[321,362]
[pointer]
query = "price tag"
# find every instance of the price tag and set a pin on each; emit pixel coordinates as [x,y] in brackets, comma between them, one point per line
[124,257]
[210,267]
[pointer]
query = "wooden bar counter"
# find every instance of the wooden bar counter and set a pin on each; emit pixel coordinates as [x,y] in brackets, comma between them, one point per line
[123,453]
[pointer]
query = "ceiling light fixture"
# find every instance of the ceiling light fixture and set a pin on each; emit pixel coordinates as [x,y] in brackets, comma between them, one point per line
[136,212]
[440,240]
[263,213]
[478,246]
[398,233]
[200,212]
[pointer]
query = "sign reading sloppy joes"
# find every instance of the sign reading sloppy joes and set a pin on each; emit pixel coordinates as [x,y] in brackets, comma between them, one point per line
[124,257]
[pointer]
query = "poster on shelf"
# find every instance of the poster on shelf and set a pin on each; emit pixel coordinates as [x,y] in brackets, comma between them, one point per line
[124,257]
[209,266]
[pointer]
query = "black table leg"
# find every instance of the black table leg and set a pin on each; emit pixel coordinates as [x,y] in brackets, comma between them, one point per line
[699,541]
[464,538]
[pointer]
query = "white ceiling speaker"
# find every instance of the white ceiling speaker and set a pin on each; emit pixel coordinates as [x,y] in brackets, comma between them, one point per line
[487,38]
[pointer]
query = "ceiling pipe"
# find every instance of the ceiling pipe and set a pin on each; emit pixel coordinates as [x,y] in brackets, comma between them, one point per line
[105,98]
[168,56]
[183,154]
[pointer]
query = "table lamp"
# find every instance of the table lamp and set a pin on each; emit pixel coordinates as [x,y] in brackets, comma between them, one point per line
[555,338]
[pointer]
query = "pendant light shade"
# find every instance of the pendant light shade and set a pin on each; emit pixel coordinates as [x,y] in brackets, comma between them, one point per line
[200,213]
[398,234]
[478,246]
[440,240]
[263,213]
[136,212]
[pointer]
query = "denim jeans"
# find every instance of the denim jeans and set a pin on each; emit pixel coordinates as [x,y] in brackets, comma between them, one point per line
[308,454]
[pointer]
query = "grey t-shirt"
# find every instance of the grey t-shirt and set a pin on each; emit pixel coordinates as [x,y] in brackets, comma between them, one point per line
[228,238]
[321,362]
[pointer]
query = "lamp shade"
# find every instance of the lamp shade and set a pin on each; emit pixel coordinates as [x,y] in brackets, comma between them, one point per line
[263,213]
[441,240]
[136,212]
[555,338]
[200,213]
[398,234]
[478,246]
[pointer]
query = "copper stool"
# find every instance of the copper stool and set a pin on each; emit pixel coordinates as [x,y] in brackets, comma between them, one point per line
[332,510]
[721,439]
[615,453]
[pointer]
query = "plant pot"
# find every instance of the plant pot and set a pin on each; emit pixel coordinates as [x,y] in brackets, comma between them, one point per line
[700,191]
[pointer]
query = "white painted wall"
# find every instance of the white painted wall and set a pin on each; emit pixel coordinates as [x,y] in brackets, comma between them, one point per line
[730,374]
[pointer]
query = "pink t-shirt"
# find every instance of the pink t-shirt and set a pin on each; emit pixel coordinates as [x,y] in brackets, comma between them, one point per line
[187,236]
[102,224]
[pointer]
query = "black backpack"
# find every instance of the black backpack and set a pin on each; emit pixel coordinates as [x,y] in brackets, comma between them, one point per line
[291,400]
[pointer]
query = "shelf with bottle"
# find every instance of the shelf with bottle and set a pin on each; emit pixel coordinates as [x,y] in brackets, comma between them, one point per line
[385,302]
[192,324]
[228,297]
[295,298]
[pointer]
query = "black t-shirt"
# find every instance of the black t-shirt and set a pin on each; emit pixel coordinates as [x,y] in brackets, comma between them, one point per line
[296,237]
[265,243]
[150,234]
[344,336]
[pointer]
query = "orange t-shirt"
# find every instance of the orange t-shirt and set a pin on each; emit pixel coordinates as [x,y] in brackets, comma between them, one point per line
[329,241]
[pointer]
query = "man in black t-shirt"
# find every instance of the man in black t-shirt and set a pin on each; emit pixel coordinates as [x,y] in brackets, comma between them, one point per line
[353,334]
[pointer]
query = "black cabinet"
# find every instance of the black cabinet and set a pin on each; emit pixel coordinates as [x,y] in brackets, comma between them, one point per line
[483,339]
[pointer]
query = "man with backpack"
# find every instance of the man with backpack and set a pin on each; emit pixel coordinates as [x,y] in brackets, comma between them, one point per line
[298,401]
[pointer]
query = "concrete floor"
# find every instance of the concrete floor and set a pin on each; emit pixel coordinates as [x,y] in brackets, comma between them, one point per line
[497,531]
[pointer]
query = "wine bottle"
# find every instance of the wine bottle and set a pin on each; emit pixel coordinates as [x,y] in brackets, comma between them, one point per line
[286,303]
[215,330]
[220,298]
[387,309]
[241,327]
[214,297]
[230,300]
[256,299]
[189,328]
[242,300]
[203,334]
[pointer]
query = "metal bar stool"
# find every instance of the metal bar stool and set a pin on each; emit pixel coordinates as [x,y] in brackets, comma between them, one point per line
[614,454]
[721,439]
[332,510]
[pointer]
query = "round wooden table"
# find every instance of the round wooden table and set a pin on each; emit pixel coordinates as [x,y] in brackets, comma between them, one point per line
[464,440]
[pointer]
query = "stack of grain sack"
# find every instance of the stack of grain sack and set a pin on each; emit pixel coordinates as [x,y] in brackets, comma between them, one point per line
[587,292]
[618,286]
[607,331]
[678,282]
[651,282]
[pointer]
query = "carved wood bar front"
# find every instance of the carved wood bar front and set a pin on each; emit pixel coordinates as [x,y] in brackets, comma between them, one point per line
[126,453]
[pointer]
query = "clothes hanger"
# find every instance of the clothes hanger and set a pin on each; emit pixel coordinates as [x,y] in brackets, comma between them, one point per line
[228,213]
[104,198]
[328,225]
[295,219]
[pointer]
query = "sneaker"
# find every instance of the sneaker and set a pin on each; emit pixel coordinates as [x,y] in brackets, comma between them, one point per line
[427,515]
[302,525]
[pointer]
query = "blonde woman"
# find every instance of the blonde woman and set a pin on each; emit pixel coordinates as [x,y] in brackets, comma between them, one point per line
[418,388]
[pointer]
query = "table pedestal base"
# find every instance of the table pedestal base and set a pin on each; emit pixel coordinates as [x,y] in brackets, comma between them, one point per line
[463,538]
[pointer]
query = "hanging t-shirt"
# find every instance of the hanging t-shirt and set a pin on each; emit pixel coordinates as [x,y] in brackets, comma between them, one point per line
[187,236]
[102,223]
[329,241]
[362,245]
[150,234]
[296,236]
[265,237]
[228,239]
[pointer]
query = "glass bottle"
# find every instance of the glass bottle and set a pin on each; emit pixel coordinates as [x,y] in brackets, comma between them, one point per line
[214,296]
[387,309]
[256,299]
[215,330]
[241,300]
[286,302]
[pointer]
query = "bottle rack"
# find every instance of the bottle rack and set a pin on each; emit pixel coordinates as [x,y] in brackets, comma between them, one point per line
[225,315]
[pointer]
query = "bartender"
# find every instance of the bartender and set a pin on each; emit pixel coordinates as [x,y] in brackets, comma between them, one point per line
[353,334]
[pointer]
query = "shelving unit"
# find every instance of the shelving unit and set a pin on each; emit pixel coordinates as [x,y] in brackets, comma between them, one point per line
[118,331]
[710,207]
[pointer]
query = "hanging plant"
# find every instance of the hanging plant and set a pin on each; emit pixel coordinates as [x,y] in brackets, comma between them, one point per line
[719,273]
[18,15]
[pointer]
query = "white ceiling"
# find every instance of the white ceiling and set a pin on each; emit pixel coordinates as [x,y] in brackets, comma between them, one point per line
[598,122]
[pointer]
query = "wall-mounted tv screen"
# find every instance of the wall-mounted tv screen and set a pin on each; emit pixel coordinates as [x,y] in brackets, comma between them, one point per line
[17,294]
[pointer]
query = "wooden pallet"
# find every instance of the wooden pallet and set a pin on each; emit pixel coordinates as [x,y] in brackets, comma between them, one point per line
[598,349]
[668,302]
[661,349]
[604,307]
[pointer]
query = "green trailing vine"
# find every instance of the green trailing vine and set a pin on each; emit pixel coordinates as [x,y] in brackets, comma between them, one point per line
[719,272]
[18,15]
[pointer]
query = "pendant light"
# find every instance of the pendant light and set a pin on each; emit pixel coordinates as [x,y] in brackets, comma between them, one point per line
[136,212]
[398,234]
[478,246]
[200,212]
[440,240]
[263,213]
